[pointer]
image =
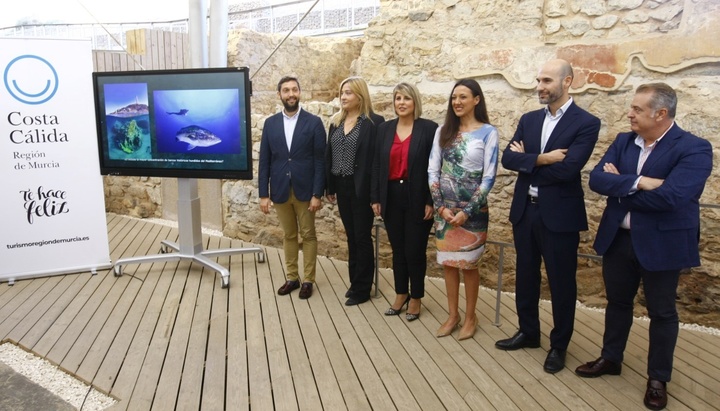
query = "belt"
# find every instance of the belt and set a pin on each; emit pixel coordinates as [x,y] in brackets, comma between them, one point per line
[532,200]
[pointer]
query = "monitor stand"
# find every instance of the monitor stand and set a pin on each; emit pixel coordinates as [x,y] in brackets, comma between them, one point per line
[190,246]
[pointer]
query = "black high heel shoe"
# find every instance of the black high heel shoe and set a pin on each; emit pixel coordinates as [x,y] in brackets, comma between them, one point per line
[392,311]
[412,316]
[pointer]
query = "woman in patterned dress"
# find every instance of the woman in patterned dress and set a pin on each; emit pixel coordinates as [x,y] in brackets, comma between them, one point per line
[461,173]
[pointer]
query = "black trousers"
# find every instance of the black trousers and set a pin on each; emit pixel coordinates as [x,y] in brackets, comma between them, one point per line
[357,217]
[622,275]
[408,238]
[534,243]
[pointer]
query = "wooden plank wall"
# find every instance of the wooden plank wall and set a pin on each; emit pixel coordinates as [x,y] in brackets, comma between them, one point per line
[147,50]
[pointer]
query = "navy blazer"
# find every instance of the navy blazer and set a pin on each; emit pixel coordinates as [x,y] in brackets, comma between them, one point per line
[560,192]
[419,153]
[363,157]
[303,166]
[664,222]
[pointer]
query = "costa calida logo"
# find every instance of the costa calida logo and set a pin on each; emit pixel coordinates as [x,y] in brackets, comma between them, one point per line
[31,79]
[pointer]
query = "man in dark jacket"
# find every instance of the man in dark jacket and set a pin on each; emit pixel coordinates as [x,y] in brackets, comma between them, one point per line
[291,175]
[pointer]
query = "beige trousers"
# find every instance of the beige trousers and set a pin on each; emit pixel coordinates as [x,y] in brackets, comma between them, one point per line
[295,218]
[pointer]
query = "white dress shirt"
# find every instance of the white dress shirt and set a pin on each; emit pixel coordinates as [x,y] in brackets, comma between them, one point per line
[644,154]
[289,124]
[548,126]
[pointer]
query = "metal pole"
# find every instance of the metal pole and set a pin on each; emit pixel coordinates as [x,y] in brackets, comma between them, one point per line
[377,255]
[501,258]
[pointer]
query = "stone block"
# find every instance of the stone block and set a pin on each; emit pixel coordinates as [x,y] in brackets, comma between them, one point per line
[605,22]
[624,4]
[375,33]
[420,15]
[589,7]
[669,26]
[577,26]
[635,17]
[552,26]
[556,8]
[666,13]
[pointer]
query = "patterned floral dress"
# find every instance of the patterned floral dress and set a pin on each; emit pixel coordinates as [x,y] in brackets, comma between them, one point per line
[460,178]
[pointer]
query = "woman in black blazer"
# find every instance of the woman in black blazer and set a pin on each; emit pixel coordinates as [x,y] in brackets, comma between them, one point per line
[399,193]
[349,154]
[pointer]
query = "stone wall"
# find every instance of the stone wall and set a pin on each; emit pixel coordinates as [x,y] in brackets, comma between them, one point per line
[320,64]
[135,196]
[614,45]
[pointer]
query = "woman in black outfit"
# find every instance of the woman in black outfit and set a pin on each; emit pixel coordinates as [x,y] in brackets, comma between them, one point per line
[400,194]
[350,149]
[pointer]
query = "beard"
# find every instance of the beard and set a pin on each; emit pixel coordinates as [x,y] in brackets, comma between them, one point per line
[291,108]
[551,96]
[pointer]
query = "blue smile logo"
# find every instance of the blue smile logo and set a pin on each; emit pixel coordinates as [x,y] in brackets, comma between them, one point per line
[31,79]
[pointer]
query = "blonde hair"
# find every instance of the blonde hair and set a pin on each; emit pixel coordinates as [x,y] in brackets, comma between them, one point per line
[407,89]
[360,89]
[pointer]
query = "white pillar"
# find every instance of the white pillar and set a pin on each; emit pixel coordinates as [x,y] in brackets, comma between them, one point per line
[218,33]
[197,33]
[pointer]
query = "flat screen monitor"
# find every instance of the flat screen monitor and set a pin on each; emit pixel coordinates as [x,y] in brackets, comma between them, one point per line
[188,123]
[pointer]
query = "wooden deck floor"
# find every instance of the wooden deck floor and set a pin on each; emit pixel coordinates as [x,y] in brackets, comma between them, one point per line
[166,336]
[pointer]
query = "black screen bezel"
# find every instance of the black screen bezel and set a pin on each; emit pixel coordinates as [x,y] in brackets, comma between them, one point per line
[180,79]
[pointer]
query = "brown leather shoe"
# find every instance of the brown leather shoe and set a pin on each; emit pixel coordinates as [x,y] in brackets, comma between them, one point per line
[288,287]
[597,368]
[656,395]
[306,291]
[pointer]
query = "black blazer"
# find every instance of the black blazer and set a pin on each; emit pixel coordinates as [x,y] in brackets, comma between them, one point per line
[562,203]
[421,143]
[363,157]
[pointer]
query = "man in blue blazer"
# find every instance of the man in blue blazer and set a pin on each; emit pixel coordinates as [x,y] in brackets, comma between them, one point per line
[292,166]
[550,148]
[653,177]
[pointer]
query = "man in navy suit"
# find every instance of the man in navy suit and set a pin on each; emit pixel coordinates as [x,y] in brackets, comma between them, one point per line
[292,165]
[653,177]
[549,149]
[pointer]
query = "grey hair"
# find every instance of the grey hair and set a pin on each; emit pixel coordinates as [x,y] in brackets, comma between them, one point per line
[663,96]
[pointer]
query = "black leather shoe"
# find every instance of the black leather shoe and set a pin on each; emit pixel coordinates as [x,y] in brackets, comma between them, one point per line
[555,361]
[347,293]
[306,291]
[355,301]
[288,287]
[518,341]
[597,368]
[655,395]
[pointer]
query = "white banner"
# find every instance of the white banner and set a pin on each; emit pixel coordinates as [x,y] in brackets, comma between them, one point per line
[52,218]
